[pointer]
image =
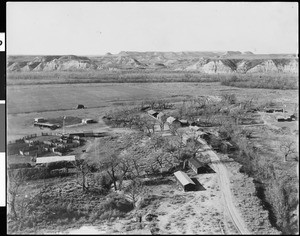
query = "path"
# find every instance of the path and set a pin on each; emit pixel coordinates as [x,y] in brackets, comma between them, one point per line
[221,170]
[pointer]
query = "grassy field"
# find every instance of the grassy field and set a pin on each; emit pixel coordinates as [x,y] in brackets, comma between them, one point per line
[25,102]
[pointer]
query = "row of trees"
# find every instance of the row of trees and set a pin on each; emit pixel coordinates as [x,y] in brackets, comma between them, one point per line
[275,81]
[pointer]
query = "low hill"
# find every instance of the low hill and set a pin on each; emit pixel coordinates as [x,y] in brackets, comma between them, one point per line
[205,62]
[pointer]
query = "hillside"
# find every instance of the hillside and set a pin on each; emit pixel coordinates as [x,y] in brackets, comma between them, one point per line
[205,62]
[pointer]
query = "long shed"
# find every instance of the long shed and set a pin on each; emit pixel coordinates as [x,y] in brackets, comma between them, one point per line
[185,181]
[41,160]
[195,165]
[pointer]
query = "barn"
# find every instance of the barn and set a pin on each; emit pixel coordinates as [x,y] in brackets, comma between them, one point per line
[185,181]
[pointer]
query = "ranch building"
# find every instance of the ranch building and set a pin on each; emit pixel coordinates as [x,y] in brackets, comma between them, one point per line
[88,121]
[184,123]
[42,160]
[39,119]
[185,181]
[152,113]
[195,165]
[80,106]
[29,151]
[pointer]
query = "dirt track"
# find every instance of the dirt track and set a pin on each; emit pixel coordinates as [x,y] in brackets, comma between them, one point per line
[221,171]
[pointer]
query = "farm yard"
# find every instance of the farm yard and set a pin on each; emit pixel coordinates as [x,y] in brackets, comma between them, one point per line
[171,210]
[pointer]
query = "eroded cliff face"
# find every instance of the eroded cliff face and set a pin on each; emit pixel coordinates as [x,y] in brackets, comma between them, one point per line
[205,62]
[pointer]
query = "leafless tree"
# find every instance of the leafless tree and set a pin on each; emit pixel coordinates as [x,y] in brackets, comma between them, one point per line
[287,148]
[83,169]
[16,178]
[124,168]
[110,164]
[135,190]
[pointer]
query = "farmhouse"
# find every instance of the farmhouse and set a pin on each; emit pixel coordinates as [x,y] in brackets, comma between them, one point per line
[185,181]
[42,160]
[195,165]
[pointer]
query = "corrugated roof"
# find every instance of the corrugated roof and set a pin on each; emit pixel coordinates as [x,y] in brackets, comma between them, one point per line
[183,178]
[41,160]
[195,162]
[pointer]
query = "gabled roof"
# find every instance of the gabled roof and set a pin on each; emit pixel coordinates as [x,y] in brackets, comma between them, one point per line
[183,178]
[195,162]
[151,112]
[41,160]
[171,119]
[160,114]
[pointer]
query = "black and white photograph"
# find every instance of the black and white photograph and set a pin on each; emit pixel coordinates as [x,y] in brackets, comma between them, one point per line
[146,118]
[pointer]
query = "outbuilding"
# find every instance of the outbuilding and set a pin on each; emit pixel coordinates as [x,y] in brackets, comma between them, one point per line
[195,165]
[185,181]
[152,113]
[42,160]
[40,119]
[80,106]
[184,123]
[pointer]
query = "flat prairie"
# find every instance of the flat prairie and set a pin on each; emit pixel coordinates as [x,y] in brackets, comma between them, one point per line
[25,102]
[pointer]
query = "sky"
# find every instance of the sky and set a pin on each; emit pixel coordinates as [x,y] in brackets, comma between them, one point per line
[95,28]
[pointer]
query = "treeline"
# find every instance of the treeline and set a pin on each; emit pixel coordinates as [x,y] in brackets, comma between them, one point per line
[64,77]
[267,81]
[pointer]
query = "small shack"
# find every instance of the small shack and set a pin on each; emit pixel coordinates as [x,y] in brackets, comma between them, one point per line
[184,123]
[152,113]
[80,106]
[46,125]
[88,121]
[195,165]
[39,119]
[171,119]
[160,115]
[185,181]
[29,151]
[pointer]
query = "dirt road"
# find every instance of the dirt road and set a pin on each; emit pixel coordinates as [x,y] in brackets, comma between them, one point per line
[221,171]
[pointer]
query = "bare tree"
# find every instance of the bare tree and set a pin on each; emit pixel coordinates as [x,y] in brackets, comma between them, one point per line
[16,178]
[124,168]
[84,169]
[287,148]
[135,190]
[110,164]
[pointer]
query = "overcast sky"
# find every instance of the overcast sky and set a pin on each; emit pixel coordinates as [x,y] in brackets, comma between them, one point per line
[97,28]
